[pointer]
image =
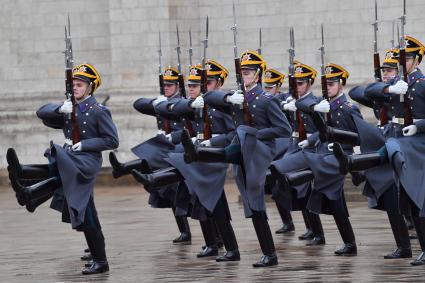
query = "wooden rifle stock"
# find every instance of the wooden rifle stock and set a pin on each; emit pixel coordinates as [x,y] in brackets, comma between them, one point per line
[247,118]
[293,91]
[207,124]
[383,117]
[408,117]
[182,91]
[70,91]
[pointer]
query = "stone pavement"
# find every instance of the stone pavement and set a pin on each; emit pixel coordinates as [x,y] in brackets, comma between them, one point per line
[39,248]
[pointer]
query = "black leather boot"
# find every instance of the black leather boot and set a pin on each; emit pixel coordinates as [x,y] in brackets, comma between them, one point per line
[285,215]
[158,178]
[229,256]
[357,178]
[121,169]
[97,266]
[299,178]
[40,189]
[331,134]
[185,236]
[210,154]
[401,236]
[356,162]
[208,251]
[307,235]
[420,260]
[208,231]
[34,203]
[286,228]
[348,249]
[265,238]
[317,230]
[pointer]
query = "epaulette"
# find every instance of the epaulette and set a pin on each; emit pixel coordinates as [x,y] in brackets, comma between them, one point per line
[100,106]
[348,104]
[267,95]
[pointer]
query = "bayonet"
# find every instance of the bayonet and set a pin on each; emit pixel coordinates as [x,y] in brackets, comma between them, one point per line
[260,42]
[190,47]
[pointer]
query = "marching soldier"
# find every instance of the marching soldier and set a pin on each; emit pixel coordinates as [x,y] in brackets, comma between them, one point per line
[73,167]
[296,197]
[260,121]
[151,153]
[205,182]
[272,83]
[404,147]
[380,187]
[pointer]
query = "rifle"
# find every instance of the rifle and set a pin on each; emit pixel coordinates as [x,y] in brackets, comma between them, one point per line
[323,74]
[293,85]
[105,100]
[239,81]
[408,119]
[190,47]
[383,117]
[182,89]
[260,42]
[207,134]
[167,125]
[69,87]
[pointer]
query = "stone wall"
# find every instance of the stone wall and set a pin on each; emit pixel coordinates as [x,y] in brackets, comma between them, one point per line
[120,38]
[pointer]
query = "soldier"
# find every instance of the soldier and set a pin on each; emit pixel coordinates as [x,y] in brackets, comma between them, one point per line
[259,122]
[74,167]
[205,182]
[380,187]
[404,147]
[272,83]
[296,197]
[151,153]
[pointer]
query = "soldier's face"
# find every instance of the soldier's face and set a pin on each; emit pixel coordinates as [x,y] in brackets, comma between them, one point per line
[213,84]
[170,89]
[389,74]
[271,89]
[334,88]
[411,64]
[303,87]
[81,89]
[193,91]
[249,77]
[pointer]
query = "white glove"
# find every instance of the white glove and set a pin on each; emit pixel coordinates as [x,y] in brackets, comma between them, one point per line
[205,143]
[197,103]
[160,132]
[169,137]
[409,130]
[399,87]
[290,106]
[77,147]
[236,98]
[159,99]
[331,146]
[194,139]
[323,106]
[68,142]
[66,107]
[303,144]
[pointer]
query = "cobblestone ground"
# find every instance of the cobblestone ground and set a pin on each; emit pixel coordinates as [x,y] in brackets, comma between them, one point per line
[39,248]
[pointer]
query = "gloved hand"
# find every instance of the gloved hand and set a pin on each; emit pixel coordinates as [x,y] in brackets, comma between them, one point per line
[169,137]
[68,142]
[323,106]
[236,98]
[160,132]
[290,106]
[331,146]
[399,87]
[303,144]
[77,147]
[410,130]
[193,139]
[66,107]
[205,143]
[159,99]
[197,103]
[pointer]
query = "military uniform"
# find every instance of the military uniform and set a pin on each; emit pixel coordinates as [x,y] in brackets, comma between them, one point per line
[73,167]
[258,123]
[152,153]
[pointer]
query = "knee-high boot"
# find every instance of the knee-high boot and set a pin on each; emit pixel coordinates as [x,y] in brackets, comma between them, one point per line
[265,238]
[208,231]
[401,236]
[316,228]
[158,178]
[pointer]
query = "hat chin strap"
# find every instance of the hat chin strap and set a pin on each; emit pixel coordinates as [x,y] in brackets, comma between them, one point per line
[414,65]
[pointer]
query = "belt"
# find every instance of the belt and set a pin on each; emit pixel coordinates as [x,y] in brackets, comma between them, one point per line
[297,134]
[200,136]
[400,121]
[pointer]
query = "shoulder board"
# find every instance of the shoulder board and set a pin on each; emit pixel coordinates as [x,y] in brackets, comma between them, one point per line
[348,104]
[267,95]
[100,106]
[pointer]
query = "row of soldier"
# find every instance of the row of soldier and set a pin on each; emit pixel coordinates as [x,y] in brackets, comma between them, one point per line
[298,145]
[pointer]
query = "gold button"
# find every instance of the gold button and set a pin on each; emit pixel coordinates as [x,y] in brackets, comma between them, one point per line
[84,122]
[87,114]
[84,132]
